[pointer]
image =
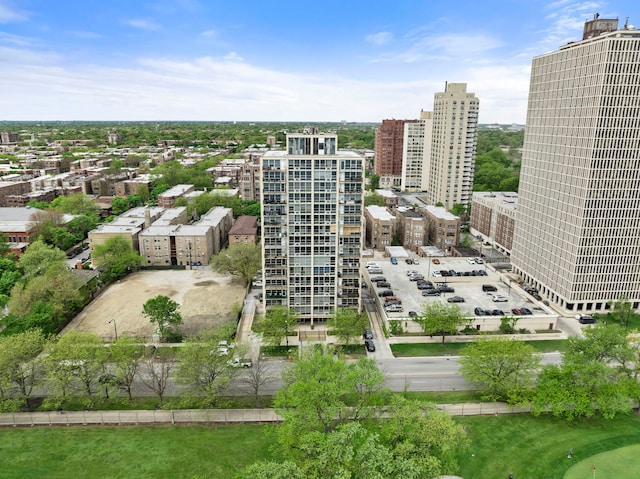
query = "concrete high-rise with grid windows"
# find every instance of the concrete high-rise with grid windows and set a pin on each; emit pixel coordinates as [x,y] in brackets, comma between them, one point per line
[577,233]
[453,148]
[312,199]
[416,153]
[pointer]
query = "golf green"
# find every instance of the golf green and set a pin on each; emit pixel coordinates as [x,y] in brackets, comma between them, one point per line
[622,463]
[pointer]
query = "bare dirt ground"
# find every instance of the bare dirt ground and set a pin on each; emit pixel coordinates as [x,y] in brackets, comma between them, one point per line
[207,299]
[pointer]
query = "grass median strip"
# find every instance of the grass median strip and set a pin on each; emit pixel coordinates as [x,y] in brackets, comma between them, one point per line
[453,349]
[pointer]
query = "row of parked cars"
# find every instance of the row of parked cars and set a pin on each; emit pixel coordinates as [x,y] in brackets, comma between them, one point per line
[498,312]
[453,272]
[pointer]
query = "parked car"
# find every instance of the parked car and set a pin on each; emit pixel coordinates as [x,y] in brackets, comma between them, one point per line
[371,263]
[415,277]
[498,298]
[481,272]
[430,292]
[436,274]
[416,261]
[412,272]
[394,260]
[424,285]
[392,298]
[375,279]
[240,363]
[489,287]
[435,261]
[455,299]
[479,312]
[479,260]
[408,261]
[386,292]
[413,314]
[393,302]
[383,284]
[375,270]
[393,308]
[471,261]
[526,311]
[586,319]
[517,311]
[369,345]
[368,334]
[497,312]
[446,289]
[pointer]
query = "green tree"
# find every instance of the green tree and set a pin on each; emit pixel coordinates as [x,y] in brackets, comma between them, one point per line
[57,288]
[9,276]
[125,356]
[119,205]
[277,324]
[205,368]
[374,182]
[374,200]
[348,324]
[38,258]
[419,432]
[621,311]
[76,204]
[351,451]
[597,376]
[20,363]
[76,362]
[441,319]
[81,225]
[272,470]
[117,257]
[239,259]
[163,312]
[321,392]
[501,369]
[156,373]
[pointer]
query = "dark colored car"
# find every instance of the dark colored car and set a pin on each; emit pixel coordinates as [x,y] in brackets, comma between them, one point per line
[517,311]
[497,312]
[455,299]
[489,287]
[526,311]
[481,272]
[383,284]
[430,292]
[586,319]
[375,279]
[369,345]
[446,289]
[479,312]
[424,285]
[416,277]
[413,314]
[386,292]
[367,334]
[408,261]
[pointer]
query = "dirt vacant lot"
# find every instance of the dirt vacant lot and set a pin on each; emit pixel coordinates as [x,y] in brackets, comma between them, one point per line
[207,299]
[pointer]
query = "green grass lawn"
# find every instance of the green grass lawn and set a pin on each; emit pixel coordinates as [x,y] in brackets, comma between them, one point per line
[453,349]
[534,448]
[122,452]
[622,463]
[530,447]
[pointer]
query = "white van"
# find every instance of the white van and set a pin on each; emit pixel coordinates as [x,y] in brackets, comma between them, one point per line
[394,308]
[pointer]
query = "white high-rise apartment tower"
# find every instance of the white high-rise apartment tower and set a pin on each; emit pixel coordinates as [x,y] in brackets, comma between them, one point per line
[312,226]
[453,149]
[416,153]
[577,233]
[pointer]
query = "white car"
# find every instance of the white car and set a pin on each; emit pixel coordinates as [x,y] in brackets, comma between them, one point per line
[415,261]
[498,298]
[479,261]
[371,263]
[436,274]
[412,272]
[471,261]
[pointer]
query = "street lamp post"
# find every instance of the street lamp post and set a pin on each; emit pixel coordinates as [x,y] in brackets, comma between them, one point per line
[115,328]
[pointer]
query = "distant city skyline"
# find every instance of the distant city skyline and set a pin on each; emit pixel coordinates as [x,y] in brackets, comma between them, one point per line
[262,61]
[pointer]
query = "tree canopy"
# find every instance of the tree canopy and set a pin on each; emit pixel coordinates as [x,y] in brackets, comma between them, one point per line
[117,257]
[441,319]
[163,312]
[239,259]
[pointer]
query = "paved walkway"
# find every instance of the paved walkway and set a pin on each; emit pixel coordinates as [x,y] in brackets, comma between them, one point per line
[202,416]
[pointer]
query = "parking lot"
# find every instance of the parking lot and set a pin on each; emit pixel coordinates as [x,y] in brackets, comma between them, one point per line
[467,287]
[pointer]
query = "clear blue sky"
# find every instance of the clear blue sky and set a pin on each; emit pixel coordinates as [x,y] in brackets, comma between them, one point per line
[261,60]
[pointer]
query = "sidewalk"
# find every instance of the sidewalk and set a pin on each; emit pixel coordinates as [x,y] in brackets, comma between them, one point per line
[203,416]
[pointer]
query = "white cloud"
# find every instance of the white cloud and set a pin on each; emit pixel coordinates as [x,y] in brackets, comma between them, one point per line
[142,24]
[10,14]
[87,35]
[16,39]
[233,57]
[209,33]
[380,38]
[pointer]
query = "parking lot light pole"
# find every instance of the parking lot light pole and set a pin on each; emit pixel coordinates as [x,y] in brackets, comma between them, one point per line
[115,328]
